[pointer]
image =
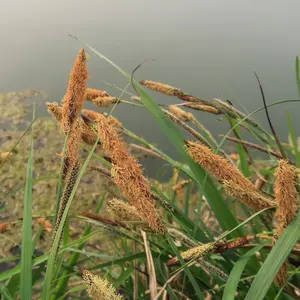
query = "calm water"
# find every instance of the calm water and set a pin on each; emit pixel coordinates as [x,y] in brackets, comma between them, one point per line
[207,48]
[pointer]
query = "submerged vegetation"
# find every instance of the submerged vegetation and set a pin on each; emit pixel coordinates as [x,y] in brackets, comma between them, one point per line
[223,227]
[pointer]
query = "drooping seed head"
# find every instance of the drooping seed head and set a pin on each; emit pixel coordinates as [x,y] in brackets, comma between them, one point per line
[161,88]
[105,101]
[235,183]
[202,107]
[181,114]
[93,94]
[285,195]
[128,175]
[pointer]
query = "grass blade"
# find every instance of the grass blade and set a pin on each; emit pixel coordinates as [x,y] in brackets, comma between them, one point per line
[236,273]
[274,261]
[26,252]
[52,257]
[294,139]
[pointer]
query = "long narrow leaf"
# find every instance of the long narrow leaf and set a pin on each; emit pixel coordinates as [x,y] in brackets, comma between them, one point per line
[51,261]
[236,273]
[26,252]
[274,261]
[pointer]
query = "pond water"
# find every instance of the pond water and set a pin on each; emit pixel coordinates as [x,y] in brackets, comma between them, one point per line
[207,48]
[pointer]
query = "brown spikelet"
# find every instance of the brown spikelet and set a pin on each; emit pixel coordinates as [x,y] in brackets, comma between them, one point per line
[99,288]
[72,149]
[94,116]
[46,224]
[55,110]
[136,99]
[162,88]
[181,114]
[4,156]
[286,199]
[175,175]
[127,212]
[285,195]
[6,226]
[202,107]
[282,275]
[235,183]
[193,253]
[87,134]
[105,101]
[73,100]
[93,94]
[128,175]
[68,188]
[114,121]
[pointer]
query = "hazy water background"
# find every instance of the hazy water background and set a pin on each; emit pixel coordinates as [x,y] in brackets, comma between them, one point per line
[207,48]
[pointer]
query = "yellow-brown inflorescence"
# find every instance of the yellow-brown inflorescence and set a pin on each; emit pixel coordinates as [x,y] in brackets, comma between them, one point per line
[99,288]
[234,182]
[193,253]
[6,226]
[285,195]
[73,100]
[88,135]
[162,88]
[178,188]
[91,94]
[92,115]
[105,101]
[181,114]
[203,107]
[126,212]
[286,199]
[128,175]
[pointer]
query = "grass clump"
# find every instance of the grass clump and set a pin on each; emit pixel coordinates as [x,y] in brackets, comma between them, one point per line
[117,234]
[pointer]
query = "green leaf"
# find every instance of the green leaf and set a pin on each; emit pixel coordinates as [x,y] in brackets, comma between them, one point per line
[54,250]
[26,251]
[236,273]
[274,261]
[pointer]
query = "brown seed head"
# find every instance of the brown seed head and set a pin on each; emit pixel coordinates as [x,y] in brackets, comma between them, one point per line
[162,88]
[128,175]
[202,107]
[235,183]
[193,253]
[73,100]
[181,114]
[55,110]
[6,226]
[127,212]
[285,195]
[99,288]
[94,116]
[87,134]
[93,94]
[105,101]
